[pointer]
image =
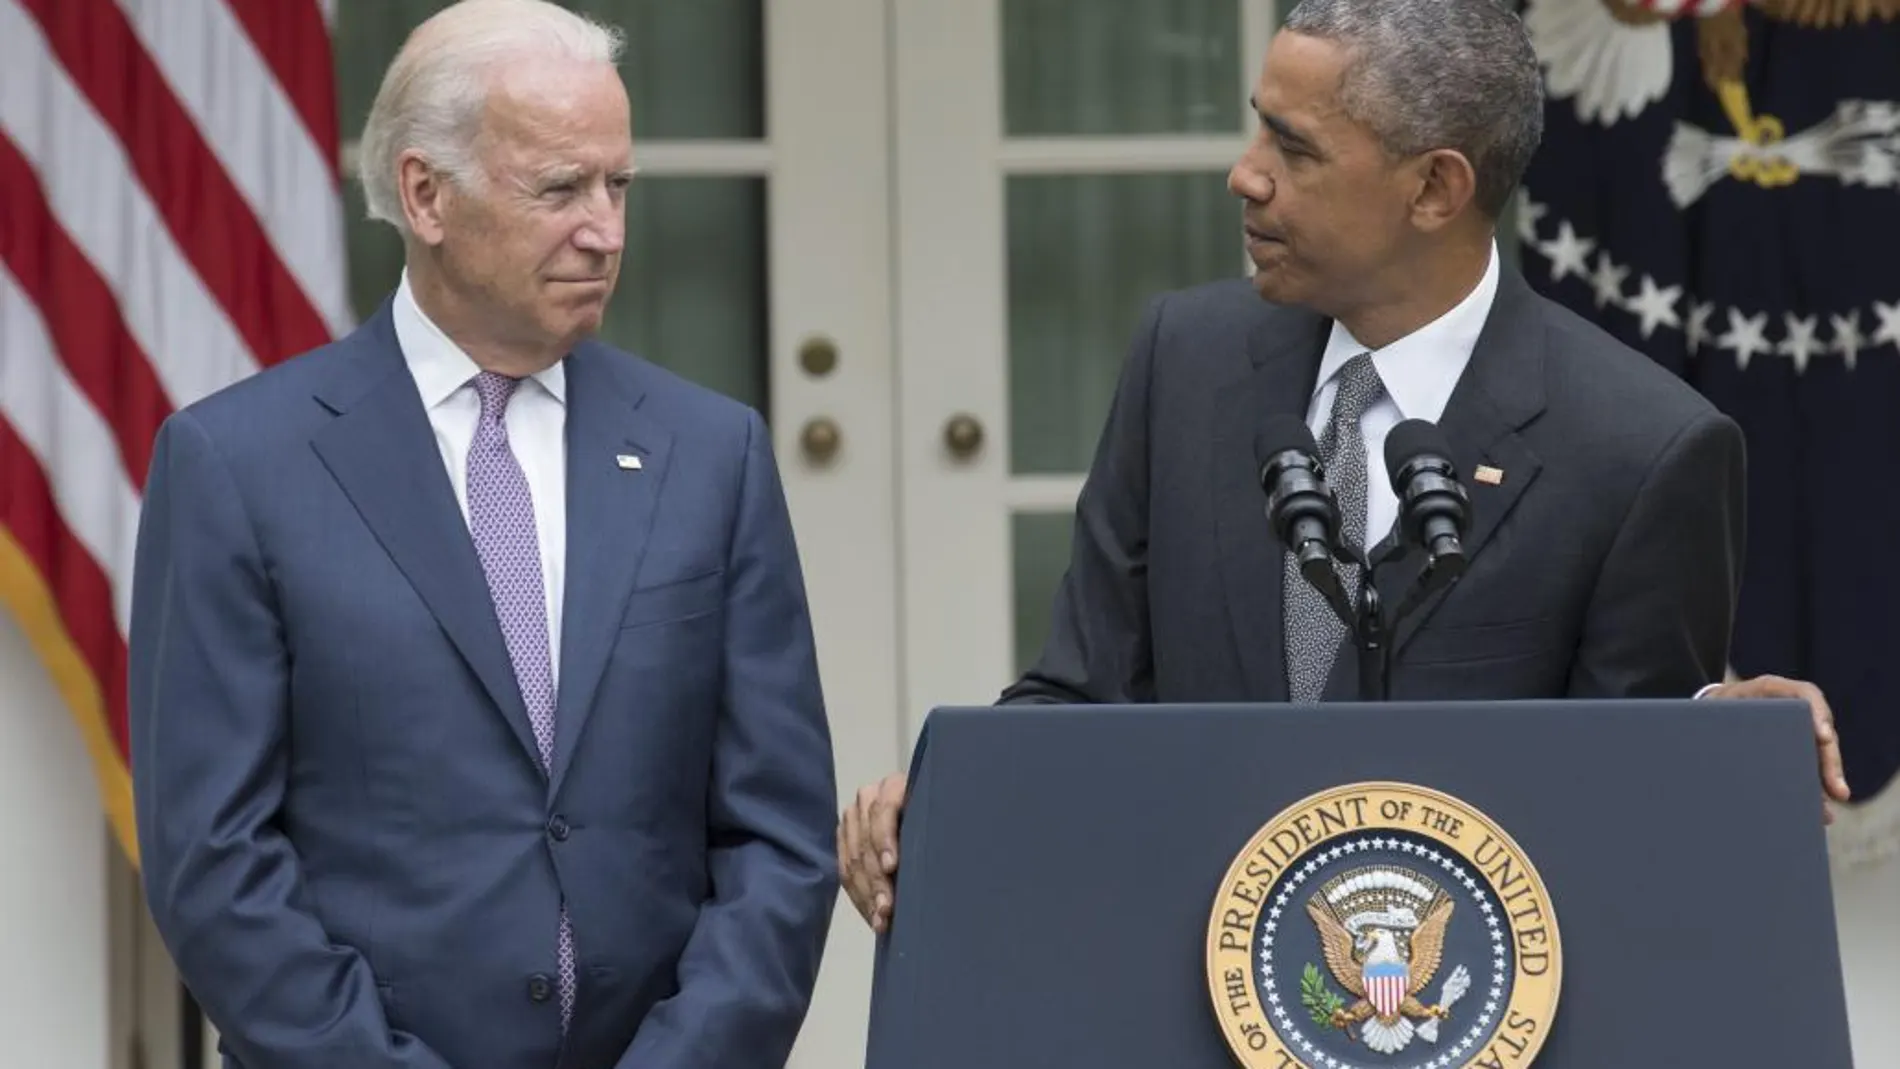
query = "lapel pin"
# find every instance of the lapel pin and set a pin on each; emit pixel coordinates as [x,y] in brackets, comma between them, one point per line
[1488,475]
[627,462]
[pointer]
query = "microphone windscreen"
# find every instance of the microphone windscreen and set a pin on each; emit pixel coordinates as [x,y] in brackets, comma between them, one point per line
[1280,432]
[1413,438]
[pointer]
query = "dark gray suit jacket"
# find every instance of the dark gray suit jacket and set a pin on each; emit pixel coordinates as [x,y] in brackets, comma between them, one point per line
[1606,563]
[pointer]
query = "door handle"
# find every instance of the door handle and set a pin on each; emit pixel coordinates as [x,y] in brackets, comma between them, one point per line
[820,438]
[963,435]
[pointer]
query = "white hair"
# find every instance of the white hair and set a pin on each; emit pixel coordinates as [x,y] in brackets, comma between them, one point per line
[432,97]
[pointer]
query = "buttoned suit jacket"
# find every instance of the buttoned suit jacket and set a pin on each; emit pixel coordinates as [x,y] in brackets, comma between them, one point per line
[349,843]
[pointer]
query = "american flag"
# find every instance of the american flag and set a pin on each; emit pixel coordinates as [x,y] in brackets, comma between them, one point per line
[170,222]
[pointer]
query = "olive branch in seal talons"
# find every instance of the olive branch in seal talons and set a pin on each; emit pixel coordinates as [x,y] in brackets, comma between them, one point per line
[1320,1002]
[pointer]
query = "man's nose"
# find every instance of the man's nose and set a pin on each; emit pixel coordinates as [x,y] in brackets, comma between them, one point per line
[604,233]
[1250,182]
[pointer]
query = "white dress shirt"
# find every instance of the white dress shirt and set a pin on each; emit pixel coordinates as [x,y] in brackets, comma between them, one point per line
[1420,371]
[536,422]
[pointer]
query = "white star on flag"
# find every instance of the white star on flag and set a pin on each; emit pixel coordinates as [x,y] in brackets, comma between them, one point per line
[1608,281]
[1747,337]
[1656,306]
[1801,344]
[1889,329]
[1567,253]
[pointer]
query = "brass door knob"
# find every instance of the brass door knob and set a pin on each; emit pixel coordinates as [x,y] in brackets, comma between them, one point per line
[963,435]
[818,356]
[820,438]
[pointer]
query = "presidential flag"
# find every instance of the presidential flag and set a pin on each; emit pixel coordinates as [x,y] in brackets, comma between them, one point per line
[170,221]
[1719,187]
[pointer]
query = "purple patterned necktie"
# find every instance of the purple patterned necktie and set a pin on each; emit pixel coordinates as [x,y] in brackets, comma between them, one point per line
[501,518]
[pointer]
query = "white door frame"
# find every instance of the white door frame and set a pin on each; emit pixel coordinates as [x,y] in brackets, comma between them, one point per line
[828,123]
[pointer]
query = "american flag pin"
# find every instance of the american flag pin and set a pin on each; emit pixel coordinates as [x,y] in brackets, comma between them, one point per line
[627,462]
[1488,475]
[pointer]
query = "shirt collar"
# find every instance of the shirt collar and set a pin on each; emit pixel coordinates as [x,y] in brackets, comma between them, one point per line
[438,365]
[1421,369]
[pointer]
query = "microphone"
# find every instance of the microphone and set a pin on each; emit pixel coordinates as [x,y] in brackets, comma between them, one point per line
[1300,506]
[1434,511]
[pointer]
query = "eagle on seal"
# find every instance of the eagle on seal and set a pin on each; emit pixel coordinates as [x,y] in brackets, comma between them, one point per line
[1384,961]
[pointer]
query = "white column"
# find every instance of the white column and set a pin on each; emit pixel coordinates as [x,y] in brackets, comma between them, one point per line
[54,993]
[1866,876]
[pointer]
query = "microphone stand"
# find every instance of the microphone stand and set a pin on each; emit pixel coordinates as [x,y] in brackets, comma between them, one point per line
[1370,624]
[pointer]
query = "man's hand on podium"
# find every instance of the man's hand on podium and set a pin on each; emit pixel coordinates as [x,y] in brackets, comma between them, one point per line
[867,849]
[1833,780]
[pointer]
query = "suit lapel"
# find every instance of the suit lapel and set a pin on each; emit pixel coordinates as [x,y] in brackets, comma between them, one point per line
[382,451]
[1284,357]
[1500,392]
[610,514]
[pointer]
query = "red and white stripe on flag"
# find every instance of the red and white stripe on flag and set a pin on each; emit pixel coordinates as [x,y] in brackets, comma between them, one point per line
[170,221]
[1385,989]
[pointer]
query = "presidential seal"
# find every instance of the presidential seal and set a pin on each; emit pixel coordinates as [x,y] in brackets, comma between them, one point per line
[1383,926]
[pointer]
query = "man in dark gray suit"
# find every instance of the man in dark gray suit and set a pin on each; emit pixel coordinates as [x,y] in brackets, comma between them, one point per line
[1606,546]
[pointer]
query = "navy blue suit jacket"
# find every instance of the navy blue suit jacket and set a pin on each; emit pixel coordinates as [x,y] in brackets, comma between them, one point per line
[349,843]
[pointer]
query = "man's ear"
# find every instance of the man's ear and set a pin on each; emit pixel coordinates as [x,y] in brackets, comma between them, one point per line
[1447,183]
[423,190]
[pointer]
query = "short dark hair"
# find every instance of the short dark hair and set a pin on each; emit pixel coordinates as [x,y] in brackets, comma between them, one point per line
[1430,74]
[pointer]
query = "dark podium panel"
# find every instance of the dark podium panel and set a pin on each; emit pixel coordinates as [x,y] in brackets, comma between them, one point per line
[1060,866]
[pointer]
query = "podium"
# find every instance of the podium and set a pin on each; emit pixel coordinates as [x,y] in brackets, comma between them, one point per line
[1097,886]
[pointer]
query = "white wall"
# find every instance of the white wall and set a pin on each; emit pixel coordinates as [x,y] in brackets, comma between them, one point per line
[1866,878]
[54,853]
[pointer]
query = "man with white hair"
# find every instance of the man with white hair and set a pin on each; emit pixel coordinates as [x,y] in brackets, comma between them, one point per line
[475,717]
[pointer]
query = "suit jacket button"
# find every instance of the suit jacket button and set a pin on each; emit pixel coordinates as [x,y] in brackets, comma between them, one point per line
[539,988]
[558,828]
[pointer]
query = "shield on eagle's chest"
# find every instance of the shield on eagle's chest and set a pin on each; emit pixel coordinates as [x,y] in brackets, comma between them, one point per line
[1385,986]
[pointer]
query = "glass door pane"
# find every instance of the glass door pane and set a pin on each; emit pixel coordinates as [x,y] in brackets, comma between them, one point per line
[1086,253]
[1090,243]
[1119,66]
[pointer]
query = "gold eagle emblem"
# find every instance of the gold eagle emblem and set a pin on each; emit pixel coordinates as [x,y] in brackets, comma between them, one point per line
[1722,46]
[1614,58]
[1382,932]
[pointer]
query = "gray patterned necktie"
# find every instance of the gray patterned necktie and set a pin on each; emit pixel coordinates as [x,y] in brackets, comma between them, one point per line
[501,519]
[1313,632]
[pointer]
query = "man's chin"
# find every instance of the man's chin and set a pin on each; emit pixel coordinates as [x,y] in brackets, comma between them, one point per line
[583,308]
[575,325]
[1273,286]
